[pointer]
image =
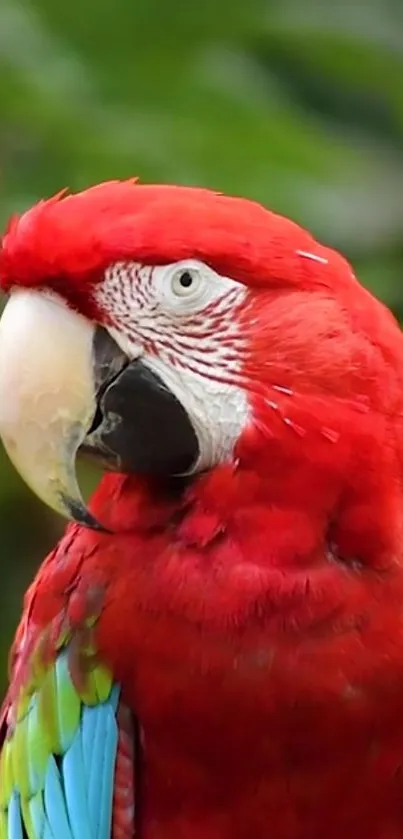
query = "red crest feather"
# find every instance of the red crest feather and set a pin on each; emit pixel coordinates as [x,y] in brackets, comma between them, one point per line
[76,236]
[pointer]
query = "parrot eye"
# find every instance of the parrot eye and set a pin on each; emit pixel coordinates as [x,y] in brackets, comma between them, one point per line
[186,283]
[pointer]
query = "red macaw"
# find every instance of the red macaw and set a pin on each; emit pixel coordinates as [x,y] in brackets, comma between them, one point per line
[214,650]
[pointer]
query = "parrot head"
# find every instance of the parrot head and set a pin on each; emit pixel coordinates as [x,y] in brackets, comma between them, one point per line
[167,331]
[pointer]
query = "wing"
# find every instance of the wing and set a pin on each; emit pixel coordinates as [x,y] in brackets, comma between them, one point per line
[66,759]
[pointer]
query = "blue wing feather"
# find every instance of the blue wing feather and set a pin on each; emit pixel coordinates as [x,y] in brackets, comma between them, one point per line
[107,775]
[95,766]
[76,791]
[15,818]
[55,803]
[71,795]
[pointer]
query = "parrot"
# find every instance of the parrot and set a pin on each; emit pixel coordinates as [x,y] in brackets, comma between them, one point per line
[214,648]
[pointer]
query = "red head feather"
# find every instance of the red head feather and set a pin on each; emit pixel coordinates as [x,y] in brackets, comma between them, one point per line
[66,242]
[75,237]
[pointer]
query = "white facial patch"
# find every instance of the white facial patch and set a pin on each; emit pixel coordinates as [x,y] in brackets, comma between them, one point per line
[181,319]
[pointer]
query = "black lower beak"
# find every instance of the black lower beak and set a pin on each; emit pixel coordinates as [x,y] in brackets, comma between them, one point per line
[140,426]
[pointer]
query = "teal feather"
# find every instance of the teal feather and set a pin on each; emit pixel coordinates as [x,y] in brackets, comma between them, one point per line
[75,786]
[106,772]
[37,813]
[14,818]
[89,737]
[55,804]
[94,721]
[99,734]
[47,832]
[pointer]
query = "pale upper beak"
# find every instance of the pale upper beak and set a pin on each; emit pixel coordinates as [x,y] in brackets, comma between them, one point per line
[65,386]
[47,395]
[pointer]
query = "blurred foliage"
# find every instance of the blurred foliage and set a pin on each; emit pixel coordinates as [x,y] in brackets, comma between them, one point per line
[296,104]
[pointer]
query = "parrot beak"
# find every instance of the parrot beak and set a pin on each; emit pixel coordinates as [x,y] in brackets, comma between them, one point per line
[47,399]
[65,388]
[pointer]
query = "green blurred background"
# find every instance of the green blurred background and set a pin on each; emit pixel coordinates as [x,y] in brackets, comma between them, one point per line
[295,103]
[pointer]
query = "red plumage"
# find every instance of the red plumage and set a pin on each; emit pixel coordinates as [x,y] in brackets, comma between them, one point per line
[255,621]
[75,237]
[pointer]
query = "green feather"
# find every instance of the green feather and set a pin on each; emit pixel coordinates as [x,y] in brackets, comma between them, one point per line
[3,823]
[19,757]
[27,819]
[34,816]
[22,705]
[98,684]
[47,722]
[68,705]
[47,711]
[6,774]
[38,752]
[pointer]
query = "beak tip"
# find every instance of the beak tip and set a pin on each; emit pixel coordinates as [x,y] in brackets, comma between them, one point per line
[77,511]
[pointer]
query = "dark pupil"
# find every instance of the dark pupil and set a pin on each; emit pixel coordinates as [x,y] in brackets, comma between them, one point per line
[186,279]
